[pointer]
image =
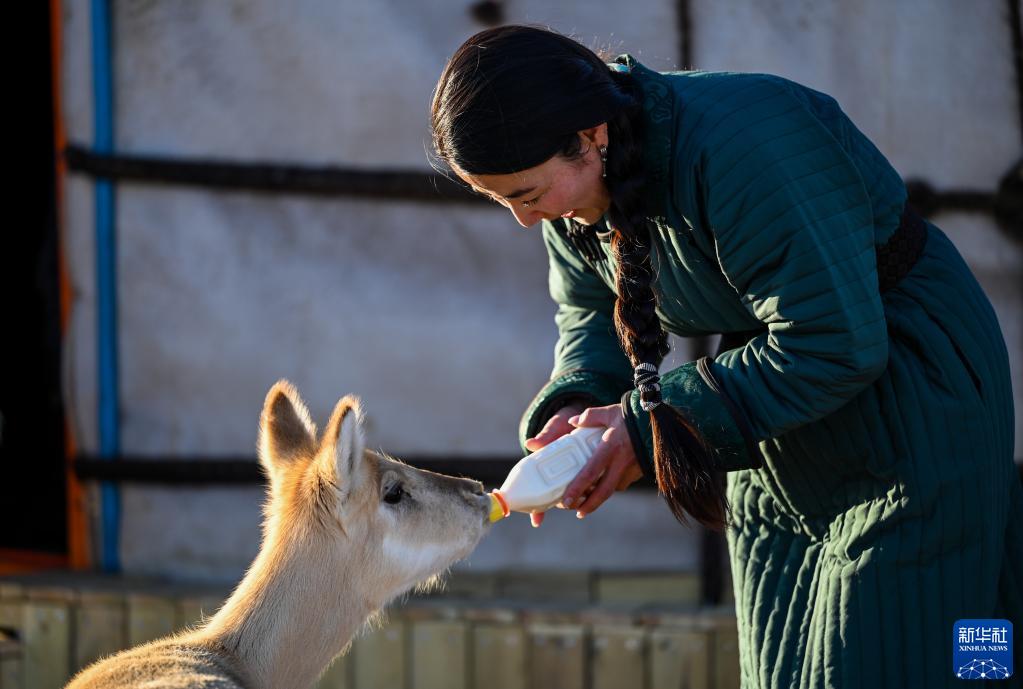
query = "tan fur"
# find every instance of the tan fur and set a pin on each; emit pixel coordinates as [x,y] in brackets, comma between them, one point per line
[333,553]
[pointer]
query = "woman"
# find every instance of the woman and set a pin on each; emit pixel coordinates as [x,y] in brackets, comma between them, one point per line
[861,403]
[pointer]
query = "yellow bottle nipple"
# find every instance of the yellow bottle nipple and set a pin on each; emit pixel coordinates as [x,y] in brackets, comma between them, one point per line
[498,508]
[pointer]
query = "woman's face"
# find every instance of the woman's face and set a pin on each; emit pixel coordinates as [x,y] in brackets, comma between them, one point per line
[556,188]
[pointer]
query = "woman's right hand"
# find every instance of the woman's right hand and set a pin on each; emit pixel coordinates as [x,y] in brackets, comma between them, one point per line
[555,427]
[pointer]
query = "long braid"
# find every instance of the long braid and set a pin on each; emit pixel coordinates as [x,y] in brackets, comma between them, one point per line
[684,469]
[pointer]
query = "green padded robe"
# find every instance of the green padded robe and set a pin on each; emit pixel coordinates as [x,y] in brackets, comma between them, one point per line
[868,436]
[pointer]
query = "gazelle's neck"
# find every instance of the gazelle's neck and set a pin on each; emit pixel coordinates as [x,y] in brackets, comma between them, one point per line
[288,617]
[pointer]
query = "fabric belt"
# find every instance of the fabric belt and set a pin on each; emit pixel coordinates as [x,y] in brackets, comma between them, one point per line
[895,258]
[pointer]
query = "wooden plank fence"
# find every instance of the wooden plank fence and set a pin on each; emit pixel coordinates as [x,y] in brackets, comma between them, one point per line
[601,634]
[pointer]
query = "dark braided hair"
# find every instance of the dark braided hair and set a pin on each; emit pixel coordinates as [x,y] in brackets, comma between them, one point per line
[512,97]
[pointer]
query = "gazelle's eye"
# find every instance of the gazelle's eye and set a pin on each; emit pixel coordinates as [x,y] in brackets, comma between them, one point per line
[394,494]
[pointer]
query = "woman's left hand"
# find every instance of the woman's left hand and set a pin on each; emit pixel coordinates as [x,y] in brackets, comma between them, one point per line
[613,466]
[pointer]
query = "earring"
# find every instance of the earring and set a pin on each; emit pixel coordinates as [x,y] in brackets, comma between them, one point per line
[603,160]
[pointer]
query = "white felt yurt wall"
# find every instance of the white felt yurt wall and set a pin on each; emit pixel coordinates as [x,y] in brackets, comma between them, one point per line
[437,314]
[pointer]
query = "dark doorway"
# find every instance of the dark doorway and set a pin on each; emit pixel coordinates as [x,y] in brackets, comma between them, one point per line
[33,505]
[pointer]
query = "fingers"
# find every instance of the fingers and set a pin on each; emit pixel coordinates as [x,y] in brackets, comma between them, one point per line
[547,434]
[535,443]
[596,416]
[631,474]
[611,417]
[603,490]
[612,465]
[586,494]
[551,432]
[536,519]
[555,427]
[586,477]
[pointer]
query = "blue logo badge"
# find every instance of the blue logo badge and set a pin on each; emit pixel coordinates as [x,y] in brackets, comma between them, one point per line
[982,649]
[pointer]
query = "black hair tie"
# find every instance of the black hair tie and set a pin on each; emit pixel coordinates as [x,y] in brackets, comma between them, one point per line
[648,383]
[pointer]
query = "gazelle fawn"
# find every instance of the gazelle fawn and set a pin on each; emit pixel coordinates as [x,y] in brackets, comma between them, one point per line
[345,530]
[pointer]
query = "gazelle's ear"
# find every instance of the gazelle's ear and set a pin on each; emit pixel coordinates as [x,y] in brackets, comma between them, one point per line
[286,432]
[341,457]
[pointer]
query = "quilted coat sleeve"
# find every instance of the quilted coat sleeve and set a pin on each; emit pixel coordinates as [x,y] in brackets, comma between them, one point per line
[794,235]
[793,232]
[588,360]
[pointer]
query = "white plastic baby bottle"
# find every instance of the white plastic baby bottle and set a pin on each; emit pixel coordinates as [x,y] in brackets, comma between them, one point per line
[539,480]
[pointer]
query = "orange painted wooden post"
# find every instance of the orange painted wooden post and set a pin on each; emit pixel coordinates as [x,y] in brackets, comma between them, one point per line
[77,495]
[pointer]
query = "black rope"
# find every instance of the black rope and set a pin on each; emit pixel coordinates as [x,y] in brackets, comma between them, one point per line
[1004,205]
[246,470]
[168,471]
[929,201]
[424,186]
[1009,202]
[269,177]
